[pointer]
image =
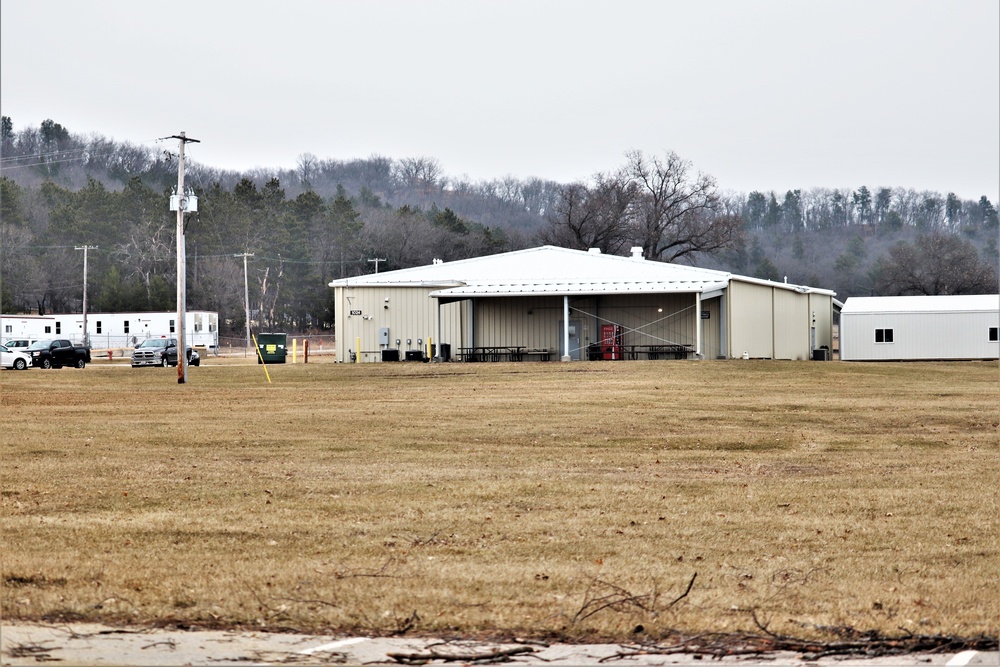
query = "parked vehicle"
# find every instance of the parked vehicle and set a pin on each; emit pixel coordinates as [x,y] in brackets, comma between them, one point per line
[19,344]
[161,352]
[56,353]
[13,359]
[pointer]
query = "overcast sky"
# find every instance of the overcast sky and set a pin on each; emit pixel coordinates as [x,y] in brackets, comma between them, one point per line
[761,94]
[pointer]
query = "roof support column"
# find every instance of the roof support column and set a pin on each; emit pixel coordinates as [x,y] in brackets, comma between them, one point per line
[437,333]
[697,325]
[566,356]
[723,331]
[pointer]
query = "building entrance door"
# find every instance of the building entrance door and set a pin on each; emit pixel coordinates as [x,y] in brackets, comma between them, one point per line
[574,340]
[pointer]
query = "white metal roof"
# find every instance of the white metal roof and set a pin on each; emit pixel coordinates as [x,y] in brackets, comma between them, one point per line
[922,304]
[549,270]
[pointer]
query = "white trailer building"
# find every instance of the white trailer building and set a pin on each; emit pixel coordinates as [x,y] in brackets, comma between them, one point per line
[115,330]
[910,328]
[26,327]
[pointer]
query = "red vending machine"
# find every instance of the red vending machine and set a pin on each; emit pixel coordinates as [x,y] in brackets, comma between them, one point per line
[611,341]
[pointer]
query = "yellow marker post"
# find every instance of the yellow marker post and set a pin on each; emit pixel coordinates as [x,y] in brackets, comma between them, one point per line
[295,348]
[261,357]
[357,350]
[430,347]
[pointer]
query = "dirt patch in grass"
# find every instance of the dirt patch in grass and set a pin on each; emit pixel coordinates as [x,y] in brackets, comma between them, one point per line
[572,500]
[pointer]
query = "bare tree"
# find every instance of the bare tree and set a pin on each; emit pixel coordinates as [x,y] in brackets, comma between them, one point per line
[592,217]
[149,251]
[675,213]
[421,173]
[936,263]
[306,168]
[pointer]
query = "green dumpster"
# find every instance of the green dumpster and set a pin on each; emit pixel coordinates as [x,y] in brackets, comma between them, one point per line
[272,348]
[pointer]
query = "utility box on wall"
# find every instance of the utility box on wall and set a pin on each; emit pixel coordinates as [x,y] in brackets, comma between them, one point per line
[383,336]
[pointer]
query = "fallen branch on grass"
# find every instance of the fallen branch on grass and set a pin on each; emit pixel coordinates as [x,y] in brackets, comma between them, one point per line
[619,599]
[478,657]
[868,644]
[381,572]
[39,652]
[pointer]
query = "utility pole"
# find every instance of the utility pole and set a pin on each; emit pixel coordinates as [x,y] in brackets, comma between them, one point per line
[86,332]
[377,260]
[182,203]
[246,296]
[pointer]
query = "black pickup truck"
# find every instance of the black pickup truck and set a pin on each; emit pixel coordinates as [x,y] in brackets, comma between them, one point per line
[58,353]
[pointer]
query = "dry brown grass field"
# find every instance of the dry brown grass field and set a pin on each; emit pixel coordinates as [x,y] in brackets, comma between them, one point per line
[578,501]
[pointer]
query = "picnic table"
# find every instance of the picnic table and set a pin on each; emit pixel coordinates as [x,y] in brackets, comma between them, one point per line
[655,351]
[492,353]
[504,353]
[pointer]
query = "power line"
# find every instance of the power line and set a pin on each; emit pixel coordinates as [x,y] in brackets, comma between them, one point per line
[70,155]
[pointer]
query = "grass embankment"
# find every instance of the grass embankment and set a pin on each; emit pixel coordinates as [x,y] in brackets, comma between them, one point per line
[576,500]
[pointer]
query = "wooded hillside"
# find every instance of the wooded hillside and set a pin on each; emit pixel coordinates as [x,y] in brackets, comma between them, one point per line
[329,218]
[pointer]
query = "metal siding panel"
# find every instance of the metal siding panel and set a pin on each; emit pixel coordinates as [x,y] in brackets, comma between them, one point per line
[411,315]
[710,339]
[751,319]
[339,320]
[791,325]
[918,336]
[644,322]
[505,321]
[822,306]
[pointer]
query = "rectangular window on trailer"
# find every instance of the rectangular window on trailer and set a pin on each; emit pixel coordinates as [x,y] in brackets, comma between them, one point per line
[883,335]
[48,329]
[7,328]
[58,327]
[98,326]
[126,326]
[993,335]
[171,326]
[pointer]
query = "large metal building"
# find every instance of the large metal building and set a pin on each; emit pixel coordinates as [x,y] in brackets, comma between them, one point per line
[907,328]
[554,303]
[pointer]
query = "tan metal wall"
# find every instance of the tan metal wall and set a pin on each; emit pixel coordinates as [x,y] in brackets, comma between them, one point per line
[534,322]
[775,323]
[750,322]
[711,329]
[821,305]
[409,313]
[792,325]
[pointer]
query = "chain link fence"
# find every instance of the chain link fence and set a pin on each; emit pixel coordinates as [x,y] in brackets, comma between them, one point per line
[232,346]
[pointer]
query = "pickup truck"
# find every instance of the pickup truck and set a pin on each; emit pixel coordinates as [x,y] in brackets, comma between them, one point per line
[161,352]
[56,353]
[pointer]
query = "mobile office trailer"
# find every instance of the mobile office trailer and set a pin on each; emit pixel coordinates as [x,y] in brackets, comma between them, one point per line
[912,328]
[117,330]
[30,327]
